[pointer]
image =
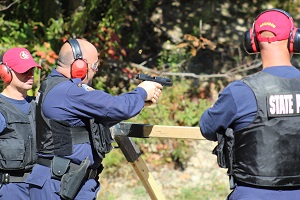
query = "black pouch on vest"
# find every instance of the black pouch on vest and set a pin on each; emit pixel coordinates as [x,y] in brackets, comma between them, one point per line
[224,149]
[224,152]
[219,151]
[71,182]
[59,166]
[101,137]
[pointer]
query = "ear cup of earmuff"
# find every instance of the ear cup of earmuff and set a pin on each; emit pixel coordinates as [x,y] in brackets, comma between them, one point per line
[294,41]
[250,43]
[79,67]
[5,73]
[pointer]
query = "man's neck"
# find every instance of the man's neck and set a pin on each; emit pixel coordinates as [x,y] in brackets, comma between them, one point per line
[66,71]
[14,94]
[275,58]
[275,54]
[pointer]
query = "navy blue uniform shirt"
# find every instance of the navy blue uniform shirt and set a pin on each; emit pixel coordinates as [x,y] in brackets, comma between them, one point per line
[236,108]
[69,102]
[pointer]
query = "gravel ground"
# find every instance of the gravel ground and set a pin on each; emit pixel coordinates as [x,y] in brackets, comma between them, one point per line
[201,172]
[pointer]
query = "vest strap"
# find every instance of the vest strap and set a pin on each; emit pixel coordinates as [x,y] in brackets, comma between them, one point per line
[80,135]
[12,177]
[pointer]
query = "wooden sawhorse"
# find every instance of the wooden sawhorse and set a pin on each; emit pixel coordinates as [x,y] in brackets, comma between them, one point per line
[122,134]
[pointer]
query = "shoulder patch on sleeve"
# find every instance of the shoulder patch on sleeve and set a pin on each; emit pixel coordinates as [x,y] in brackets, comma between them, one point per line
[86,87]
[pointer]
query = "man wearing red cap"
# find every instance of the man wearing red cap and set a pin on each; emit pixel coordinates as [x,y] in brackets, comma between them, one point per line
[256,120]
[17,123]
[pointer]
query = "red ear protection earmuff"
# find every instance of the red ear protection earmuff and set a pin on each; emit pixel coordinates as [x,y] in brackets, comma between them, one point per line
[5,73]
[79,66]
[251,44]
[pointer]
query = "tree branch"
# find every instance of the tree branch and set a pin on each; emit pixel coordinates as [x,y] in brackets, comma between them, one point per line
[7,7]
[241,68]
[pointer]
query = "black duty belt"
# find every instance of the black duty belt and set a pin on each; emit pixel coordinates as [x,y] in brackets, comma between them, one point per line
[296,187]
[90,174]
[12,177]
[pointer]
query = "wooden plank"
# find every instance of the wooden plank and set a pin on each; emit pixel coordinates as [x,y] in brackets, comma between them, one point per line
[147,179]
[183,132]
[160,131]
[132,154]
[128,148]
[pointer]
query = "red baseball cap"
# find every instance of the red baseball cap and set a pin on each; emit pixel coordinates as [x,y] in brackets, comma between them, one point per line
[277,21]
[19,59]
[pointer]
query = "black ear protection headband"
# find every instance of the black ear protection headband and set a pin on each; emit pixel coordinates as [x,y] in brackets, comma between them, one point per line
[79,66]
[250,40]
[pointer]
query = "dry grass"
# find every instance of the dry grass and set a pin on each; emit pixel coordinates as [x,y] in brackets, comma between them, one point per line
[201,179]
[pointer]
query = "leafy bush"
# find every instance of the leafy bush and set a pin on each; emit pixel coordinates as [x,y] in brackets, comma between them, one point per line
[174,107]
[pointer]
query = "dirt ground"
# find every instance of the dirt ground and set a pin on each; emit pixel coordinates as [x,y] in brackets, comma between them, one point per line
[201,172]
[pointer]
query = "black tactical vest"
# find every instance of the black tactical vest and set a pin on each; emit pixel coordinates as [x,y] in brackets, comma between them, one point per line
[18,140]
[58,137]
[267,152]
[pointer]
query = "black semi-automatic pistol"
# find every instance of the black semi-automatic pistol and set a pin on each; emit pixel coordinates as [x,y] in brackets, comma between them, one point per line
[158,79]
